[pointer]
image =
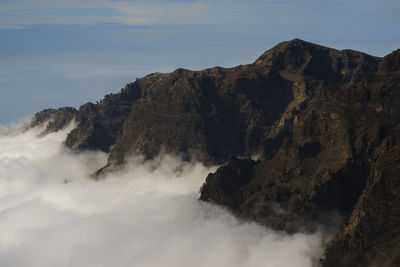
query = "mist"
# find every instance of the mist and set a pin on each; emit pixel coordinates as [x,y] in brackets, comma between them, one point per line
[146,214]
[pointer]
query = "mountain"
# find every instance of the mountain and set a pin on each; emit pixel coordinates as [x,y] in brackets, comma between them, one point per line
[308,136]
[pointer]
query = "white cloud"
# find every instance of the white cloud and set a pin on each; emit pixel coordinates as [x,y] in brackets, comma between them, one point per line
[52,214]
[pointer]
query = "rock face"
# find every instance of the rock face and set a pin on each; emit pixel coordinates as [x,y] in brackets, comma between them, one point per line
[342,154]
[210,115]
[323,123]
[100,124]
[371,235]
[56,119]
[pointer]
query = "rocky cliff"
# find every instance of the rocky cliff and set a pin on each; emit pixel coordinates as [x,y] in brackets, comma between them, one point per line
[323,125]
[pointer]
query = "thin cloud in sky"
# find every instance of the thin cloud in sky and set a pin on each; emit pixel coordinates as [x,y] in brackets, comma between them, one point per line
[91,12]
[24,17]
[21,13]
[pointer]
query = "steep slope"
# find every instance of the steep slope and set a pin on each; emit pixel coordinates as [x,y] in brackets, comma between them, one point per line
[371,236]
[210,115]
[56,119]
[342,155]
[317,163]
[323,124]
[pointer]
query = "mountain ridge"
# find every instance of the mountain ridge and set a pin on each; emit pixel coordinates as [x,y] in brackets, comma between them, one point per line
[323,123]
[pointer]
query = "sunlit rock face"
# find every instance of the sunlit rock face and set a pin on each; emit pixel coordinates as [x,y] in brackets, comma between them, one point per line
[323,125]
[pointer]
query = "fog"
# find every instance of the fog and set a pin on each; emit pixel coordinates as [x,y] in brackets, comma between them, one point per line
[147,214]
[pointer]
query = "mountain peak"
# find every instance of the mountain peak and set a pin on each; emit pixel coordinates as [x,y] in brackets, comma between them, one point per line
[298,43]
[294,50]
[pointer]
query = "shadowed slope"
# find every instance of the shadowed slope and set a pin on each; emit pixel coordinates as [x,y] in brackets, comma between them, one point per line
[324,124]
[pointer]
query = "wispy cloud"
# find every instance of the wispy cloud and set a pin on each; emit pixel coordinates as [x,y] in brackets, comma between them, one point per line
[171,12]
[23,17]
[153,12]
[16,13]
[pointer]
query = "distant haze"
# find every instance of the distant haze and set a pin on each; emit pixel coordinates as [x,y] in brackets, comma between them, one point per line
[56,53]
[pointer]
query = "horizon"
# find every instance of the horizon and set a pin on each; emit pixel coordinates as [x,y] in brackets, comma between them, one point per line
[57,54]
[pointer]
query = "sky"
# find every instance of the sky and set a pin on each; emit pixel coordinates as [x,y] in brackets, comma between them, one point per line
[65,53]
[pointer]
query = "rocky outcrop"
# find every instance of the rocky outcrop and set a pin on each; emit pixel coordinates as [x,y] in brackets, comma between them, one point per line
[55,119]
[323,125]
[100,124]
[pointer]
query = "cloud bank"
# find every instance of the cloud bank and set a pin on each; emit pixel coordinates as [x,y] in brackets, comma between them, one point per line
[52,214]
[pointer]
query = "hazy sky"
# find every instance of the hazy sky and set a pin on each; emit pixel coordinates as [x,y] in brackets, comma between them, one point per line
[57,52]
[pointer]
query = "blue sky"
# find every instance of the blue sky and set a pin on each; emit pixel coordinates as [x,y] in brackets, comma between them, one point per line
[56,52]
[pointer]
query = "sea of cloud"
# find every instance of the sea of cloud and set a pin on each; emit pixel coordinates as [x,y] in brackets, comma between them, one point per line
[147,214]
